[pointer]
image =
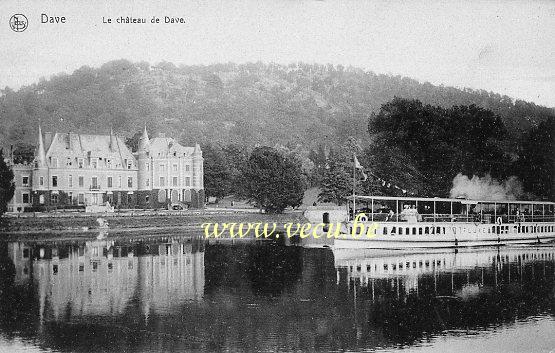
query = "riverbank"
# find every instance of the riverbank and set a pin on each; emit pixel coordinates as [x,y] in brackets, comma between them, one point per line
[133,221]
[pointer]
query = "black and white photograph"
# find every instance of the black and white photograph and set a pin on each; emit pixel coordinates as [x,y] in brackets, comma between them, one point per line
[277,176]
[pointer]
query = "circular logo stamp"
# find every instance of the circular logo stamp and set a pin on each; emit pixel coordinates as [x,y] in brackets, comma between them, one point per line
[18,22]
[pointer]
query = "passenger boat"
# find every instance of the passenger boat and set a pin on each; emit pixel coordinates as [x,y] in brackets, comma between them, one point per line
[381,222]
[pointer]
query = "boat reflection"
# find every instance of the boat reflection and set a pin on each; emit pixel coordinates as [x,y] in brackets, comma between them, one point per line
[407,267]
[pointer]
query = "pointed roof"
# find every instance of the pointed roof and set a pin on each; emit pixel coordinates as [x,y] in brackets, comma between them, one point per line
[144,141]
[41,154]
[197,149]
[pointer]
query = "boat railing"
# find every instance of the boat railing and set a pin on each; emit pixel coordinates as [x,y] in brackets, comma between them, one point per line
[444,217]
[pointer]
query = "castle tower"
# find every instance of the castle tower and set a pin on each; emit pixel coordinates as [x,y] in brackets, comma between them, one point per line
[198,178]
[40,178]
[144,164]
[40,156]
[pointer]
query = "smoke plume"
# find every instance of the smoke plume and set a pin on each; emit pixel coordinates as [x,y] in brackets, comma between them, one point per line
[486,188]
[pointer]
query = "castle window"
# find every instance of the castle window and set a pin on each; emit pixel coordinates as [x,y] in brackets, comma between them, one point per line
[70,181]
[41,181]
[119,182]
[162,168]
[81,181]
[25,181]
[187,181]
[147,182]
[94,182]
[109,163]
[53,198]
[54,181]
[81,198]
[129,164]
[25,197]
[175,167]
[109,182]
[187,167]
[130,182]
[80,163]
[174,181]
[94,163]
[54,162]
[162,182]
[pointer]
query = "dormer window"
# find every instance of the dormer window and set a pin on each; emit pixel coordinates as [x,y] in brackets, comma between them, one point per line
[94,163]
[80,163]
[129,164]
[109,163]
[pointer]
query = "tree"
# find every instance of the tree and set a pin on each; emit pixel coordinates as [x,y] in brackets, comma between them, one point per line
[536,163]
[337,181]
[23,153]
[217,173]
[272,180]
[425,147]
[7,186]
[133,142]
[236,157]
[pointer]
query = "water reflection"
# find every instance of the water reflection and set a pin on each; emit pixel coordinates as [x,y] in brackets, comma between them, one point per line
[176,293]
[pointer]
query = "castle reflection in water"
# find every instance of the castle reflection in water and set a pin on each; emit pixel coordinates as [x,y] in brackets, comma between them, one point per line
[101,277]
[178,293]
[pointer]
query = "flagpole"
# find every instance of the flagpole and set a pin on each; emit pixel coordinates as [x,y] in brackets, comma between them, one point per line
[354,183]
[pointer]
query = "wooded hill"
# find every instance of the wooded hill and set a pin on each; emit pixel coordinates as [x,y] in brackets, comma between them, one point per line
[298,105]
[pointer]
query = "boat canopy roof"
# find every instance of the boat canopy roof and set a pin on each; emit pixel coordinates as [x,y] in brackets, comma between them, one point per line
[439,199]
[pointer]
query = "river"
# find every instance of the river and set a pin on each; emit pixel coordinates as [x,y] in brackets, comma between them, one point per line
[176,293]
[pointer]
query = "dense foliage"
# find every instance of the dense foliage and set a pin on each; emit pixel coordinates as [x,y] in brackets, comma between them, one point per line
[418,141]
[425,147]
[7,185]
[246,104]
[272,180]
[536,163]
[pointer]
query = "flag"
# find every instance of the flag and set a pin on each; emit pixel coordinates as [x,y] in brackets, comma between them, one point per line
[359,166]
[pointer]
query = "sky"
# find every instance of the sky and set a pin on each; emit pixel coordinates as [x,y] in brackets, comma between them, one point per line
[506,47]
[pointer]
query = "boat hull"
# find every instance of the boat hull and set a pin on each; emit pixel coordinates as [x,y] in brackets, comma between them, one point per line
[447,235]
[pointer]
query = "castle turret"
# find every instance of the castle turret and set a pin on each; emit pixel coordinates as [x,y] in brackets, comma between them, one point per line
[40,156]
[198,179]
[197,195]
[40,173]
[145,167]
[144,142]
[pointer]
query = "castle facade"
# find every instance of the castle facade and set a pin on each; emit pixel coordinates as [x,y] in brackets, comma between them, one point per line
[75,170]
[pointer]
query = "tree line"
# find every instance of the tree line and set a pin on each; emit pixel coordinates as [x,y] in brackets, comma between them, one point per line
[414,150]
